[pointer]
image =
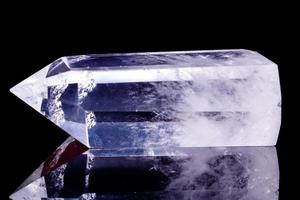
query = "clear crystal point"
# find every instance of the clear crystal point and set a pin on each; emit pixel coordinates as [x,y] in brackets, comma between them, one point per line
[188,99]
[158,126]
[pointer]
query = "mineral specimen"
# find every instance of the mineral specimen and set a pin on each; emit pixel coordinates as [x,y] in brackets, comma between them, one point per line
[166,125]
[186,99]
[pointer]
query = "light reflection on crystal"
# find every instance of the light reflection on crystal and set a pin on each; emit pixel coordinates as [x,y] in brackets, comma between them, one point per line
[65,152]
[185,173]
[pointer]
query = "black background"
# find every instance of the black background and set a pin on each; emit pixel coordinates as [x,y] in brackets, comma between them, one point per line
[34,38]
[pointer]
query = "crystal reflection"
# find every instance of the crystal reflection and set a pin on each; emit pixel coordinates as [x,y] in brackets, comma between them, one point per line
[178,173]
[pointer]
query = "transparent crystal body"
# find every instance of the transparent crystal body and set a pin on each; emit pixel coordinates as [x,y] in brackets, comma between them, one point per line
[184,99]
[166,125]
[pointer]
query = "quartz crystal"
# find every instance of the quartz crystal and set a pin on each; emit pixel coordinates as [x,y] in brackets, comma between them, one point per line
[167,125]
[239,173]
[183,99]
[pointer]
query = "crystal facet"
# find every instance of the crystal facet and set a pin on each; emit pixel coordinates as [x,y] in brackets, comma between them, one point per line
[173,173]
[183,99]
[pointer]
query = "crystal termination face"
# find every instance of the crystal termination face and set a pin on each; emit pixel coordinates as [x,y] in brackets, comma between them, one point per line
[141,100]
